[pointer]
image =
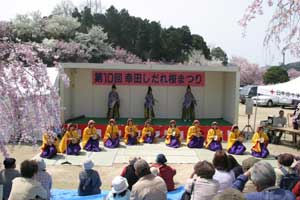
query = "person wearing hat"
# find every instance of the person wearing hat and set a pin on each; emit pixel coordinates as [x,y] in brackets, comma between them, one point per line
[113,103]
[214,138]
[7,175]
[50,145]
[260,142]
[235,141]
[165,172]
[43,177]
[131,133]
[296,117]
[69,144]
[148,134]
[195,136]
[173,135]
[149,104]
[119,189]
[111,137]
[189,104]
[90,138]
[89,180]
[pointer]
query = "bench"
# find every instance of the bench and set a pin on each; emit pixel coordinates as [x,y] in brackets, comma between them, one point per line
[289,131]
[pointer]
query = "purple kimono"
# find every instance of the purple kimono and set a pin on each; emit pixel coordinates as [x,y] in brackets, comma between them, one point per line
[189,103]
[49,152]
[196,142]
[237,148]
[112,143]
[92,145]
[264,152]
[73,149]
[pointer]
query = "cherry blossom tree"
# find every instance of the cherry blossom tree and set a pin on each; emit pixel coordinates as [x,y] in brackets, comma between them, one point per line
[122,56]
[293,73]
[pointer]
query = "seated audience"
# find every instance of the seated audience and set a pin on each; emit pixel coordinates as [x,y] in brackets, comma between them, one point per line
[222,175]
[50,145]
[154,171]
[214,138]
[195,138]
[173,135]
[128,172]
[44,177]
[111,137]
[234,167]
[148,186]
[131,133]
[69,143]
[204,187]
[260,142]
[230,194]
[279,121]
[246,165]
[235,141]
[263,176]
[90,138]
[148,134]
[89,180]
[166,172]
[26,187]
[296,189]
[119,189]
[285,170]
[7,175]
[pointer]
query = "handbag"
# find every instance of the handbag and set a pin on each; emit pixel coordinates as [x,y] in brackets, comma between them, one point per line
[187,195]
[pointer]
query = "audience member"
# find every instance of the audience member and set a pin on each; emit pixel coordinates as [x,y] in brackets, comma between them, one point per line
[246,165]
[154,171]
[26,187]
[128,172]
[285,173]
[119,189]
[44,177]
[222,175]
[201,185]
[296,189]
[7,175]
[166,172]
[89,180]
[148,187]
[234,167]
[264,178]
[230,194]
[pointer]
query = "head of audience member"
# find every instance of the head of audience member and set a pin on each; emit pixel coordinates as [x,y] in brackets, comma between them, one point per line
[248,163]
[297,168]
[260,129]
[230,194]
[234,128]
[285,159]
[129,122]
[91,124]
[142,168]
[263,175]
[119,186]
[154,171]
[41,164]
[161,159]
[214,125]
[204,169]
[132,160]
[29,168]
[196,123]
[281,113]
[220,160]
[9,163]
[232,162]
[88,164]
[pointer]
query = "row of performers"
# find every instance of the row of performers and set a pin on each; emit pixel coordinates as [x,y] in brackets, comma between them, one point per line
[188,105]
[70,143]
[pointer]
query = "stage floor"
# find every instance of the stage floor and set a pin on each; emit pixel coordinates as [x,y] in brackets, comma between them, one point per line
[182,155]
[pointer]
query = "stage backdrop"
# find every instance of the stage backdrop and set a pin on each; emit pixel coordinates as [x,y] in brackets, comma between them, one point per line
[216,93]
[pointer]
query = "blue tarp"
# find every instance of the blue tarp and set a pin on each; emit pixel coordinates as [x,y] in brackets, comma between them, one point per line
[58,194]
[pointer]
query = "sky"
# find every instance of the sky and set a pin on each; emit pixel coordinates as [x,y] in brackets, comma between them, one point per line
[215,20]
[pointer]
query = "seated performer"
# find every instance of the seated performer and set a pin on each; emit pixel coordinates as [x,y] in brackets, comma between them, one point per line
[195,136]
[50,145]
[69,144]
[259,143]
[214,138]
[111,137]
[148,133]
[235,141]
[90,138]
[131,133]
[173,135]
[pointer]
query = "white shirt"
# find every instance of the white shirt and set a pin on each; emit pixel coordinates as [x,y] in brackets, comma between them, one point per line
[224,178]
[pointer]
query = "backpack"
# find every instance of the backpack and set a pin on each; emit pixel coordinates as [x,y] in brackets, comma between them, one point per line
[288,180]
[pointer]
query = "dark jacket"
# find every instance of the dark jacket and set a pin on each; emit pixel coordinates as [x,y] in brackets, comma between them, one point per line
[89,183]
[129,173]
[6,178]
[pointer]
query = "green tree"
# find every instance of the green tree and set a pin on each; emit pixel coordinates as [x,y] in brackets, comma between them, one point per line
[199,44]
[275,74]
[219,54]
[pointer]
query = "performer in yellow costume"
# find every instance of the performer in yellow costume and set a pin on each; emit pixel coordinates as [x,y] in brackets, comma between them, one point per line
[148,133]
[69,144]
[173,135]
[235,141]
[90,138]
[111,137]
[50,145]
[131,133]
[260,142]
[214,138]
[195,136]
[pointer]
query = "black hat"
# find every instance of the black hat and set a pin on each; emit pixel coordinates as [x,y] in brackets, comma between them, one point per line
[149,89]
[113,86]
[161,158]
[9,162]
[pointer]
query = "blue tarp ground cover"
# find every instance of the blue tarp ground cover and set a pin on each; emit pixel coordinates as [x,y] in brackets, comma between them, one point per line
[58,194]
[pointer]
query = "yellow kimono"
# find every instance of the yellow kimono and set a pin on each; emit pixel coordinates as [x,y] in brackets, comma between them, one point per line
[111,132]
[192,131]
[211,134]
[46,139]
[128,131]
[256,141]
[145,133]
[232,138]
[87,134]
[64,141]
[170,134]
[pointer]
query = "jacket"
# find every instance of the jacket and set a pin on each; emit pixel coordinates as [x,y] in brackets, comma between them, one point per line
[204,189]
[6,178]
[89,183]
[167,173]
[129,173]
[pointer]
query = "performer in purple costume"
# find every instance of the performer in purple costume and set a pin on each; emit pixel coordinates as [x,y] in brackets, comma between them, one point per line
[189,103]
[149,104]
[235,141]
[113,104]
